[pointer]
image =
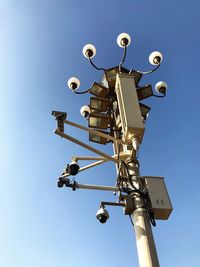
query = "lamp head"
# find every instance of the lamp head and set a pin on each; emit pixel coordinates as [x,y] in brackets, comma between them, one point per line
[73,83]
[161,87]
[155,58]
[89,51]
[123,40]
[85,111]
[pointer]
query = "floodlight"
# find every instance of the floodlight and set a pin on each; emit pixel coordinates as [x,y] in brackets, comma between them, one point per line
[144,111]
[144,92]
[109,78]
[155,58]
[98,139]
[161,87]
[99,103]
[89,51]
[98,120]
[123,39]
[98,89]
[85,111]
[73,83]
[110,75]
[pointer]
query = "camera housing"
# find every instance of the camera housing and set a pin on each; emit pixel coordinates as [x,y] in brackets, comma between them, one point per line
[155,58]
[89,51]
[63,181]
[59,114]
[60,117]
[85,111]
[102,215]
[161,87]
[73,168]
[73,83]
[123,40]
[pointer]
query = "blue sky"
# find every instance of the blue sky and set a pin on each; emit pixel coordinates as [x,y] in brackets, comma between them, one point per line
[40,48]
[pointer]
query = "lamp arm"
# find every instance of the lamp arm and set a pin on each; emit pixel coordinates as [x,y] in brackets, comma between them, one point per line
[80,93]
[159,95]
[97,68]
[148,72]
[123,59]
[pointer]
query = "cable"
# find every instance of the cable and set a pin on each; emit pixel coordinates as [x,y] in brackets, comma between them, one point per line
[151,215]
[131,220]
[142,194]
[130,180]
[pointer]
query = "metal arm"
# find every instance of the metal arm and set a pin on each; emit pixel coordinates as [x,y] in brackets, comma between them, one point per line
[119,141]
[76,141]
[92,187]
[87,167]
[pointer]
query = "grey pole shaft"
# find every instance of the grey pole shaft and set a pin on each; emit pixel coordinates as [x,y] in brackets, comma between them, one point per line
[146,248]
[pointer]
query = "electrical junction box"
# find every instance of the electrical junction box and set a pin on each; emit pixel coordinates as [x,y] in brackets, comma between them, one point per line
[160,201]
[129,108]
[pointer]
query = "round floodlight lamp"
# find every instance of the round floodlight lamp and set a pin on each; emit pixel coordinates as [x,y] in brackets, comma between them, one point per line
[155,58]
[123,40]
[161,87]
[89,51]
[73,83]
[85,111]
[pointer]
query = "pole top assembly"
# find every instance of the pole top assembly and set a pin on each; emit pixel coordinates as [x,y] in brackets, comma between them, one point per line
[115,114]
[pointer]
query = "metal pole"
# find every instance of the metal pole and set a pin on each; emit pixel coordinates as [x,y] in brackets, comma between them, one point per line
[131,119]
[146,248]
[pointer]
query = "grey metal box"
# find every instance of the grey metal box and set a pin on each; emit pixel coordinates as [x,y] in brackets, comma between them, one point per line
[160,201]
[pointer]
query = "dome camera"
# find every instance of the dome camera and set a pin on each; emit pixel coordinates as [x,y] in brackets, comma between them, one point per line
[102,215]
[155,58]
[74,168]
[123,40]
[161,87]
[89,51]
[85,112]
[73,83]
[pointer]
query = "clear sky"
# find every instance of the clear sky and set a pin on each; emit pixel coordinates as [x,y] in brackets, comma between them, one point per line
[40,48]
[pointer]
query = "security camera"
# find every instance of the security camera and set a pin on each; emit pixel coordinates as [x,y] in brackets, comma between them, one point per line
[89,51]
[102,215]
[73,168]
[85,111]
[155,58]
[63,181]
[59,114]
[60,117]
[123,40]
[73,83]
[161,87]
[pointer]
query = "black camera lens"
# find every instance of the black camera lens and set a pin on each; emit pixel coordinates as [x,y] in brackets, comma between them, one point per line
[73,169]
